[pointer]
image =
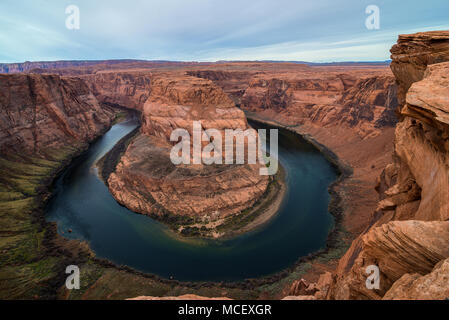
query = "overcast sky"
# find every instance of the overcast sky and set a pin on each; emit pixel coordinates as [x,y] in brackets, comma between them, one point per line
[209,30]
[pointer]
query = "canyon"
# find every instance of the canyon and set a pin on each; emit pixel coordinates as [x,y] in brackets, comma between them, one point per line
[386,129]
[147,181]
[407,233]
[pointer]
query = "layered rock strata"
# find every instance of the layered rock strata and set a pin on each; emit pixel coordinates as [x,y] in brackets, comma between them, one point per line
[414,188]
[396,248]
[413,53]
[147,181]
[124,89]
[41,112]
[364,104]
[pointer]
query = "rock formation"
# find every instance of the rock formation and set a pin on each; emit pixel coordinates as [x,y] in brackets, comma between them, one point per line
[365,104]
[413,189]
[41,112]
[397,248]
[413,53]
[146,180]
[432,286]
[124,89]
[349,109]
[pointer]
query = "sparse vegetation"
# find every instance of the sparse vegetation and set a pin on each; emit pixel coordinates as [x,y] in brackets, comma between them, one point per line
[34,256]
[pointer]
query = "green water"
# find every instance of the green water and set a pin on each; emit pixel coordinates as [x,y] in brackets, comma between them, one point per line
[83,204]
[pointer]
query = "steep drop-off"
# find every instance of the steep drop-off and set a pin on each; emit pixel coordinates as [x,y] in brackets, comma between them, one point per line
[146,180]
[40,112]
[408,236]
[44,122]
[124,89]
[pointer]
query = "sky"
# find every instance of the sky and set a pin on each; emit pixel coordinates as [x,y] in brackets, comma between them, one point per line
[210,30]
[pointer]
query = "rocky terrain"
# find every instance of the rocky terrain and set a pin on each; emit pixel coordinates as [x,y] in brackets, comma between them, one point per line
[120,89]
[42,112]
[134,89]
[407,236]
[45,121]
[146,180]
[390,131]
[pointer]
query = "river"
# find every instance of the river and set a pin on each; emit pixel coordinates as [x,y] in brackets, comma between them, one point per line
[83,204]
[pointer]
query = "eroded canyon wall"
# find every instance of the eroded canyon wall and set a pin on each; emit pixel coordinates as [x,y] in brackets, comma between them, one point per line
[147,181]
[45,121]
[120,88]
[408,233]
[327,99]
[38,112]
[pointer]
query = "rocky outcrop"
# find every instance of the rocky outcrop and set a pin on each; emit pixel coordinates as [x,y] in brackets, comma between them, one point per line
[177,103]
[397,248]
[233,83]
[414,187]
[413,53]
[372,100]
[365,104]
[41,112]
[315,291]
[123,89]
[422,150]
[148,182]
[432,286]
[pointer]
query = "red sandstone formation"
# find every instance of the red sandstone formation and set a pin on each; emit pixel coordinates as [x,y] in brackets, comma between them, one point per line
[330,99]
[38,113]
[148,182]
[413,53]
[123,89]
[349,109]
[414,187]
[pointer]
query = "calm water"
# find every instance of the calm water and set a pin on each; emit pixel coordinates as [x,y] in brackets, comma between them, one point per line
[83,203]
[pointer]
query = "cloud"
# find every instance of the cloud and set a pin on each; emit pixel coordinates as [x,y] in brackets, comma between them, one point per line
[319,30]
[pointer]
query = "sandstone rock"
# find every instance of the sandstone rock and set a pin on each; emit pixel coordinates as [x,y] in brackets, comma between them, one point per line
[41,112]
[177,103]
[124,89]
[422,149]
[415,186]
[301,288]
[233,83]
[413,53]
[397,248]
[146,180]
[432,286]
[365,104]
[322,286]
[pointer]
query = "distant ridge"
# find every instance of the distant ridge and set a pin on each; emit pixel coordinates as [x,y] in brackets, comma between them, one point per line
[29,66]
[343,63]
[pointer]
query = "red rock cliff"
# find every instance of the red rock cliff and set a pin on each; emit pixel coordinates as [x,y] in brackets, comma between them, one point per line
[129,89]
[146,180]
[38,112]
[408,235]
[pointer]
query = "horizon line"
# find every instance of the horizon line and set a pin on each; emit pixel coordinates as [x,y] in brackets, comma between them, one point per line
[198,61]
